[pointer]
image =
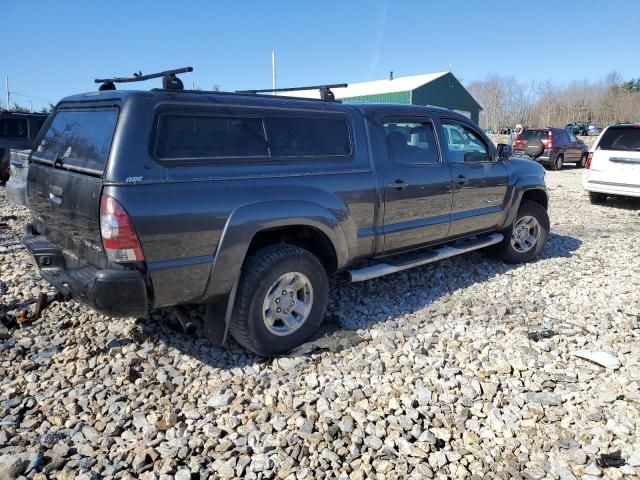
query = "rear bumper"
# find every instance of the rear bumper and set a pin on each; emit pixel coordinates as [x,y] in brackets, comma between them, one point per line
[611,188]
[116,293]
[546,157]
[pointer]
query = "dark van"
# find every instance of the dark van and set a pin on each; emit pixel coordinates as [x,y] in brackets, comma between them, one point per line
[17,131]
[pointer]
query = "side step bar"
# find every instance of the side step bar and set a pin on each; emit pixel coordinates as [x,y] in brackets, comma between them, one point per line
[422,258]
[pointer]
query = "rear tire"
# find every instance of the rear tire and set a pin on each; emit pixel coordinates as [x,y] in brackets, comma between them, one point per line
[583,160]
[4,174]
[557,163]
[597,198]
[279,268]
[526,237]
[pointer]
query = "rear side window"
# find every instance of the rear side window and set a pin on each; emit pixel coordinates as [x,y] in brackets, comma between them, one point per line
[195,137]
[308,137]
[13,127]
[534,135]
[621,138]
[79,139]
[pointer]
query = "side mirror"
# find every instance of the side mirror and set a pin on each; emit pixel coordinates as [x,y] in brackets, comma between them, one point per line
[505,152]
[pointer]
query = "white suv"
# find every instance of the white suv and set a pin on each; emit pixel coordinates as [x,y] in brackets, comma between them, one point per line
[613,164]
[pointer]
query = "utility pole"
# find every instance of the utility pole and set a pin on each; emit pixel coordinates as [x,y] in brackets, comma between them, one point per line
[273,71]
[8,94]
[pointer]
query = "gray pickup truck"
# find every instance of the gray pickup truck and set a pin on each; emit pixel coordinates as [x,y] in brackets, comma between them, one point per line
[248,203]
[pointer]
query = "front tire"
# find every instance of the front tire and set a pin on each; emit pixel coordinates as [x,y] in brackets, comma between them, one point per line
[281,301]
[526,237]
[597,198]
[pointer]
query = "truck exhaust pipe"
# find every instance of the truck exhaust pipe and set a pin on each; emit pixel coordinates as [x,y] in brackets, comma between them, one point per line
[188,324]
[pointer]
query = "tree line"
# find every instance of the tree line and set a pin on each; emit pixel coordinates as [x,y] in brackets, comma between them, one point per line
[507,101]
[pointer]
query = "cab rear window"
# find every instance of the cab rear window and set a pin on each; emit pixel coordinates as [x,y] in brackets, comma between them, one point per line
[79,139]
[621,138]
[534,135]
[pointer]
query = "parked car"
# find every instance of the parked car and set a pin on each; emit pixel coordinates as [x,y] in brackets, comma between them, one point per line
[593,130]
[19,131]
[613,166]
[557,146]
[248,203]
[15,188]
[578,128]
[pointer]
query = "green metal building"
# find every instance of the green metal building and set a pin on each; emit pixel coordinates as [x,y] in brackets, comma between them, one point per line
[441,89]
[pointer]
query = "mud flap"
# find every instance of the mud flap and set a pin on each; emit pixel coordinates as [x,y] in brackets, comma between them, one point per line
[218,316]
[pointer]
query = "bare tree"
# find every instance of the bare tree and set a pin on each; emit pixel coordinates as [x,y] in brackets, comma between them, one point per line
[506,101]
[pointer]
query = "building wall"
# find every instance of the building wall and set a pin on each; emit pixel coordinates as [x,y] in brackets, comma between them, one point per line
[447,92]
[393,97]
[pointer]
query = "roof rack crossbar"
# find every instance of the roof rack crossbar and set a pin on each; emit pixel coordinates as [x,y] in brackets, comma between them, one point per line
[141,78]
[169,79]
[325,90]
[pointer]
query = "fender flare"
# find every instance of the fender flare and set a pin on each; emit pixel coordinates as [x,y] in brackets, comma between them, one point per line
[522,185]
[248,220]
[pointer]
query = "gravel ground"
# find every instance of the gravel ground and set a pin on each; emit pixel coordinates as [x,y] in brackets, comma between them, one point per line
[444,371]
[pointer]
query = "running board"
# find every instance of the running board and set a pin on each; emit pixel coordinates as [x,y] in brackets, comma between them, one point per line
[422,258]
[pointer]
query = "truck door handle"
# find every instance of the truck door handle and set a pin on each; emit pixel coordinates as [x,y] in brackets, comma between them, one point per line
[399,185]
[55,199]
[461,179]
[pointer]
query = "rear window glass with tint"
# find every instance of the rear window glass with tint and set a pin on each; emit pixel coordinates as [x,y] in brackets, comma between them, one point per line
[195,137]
[534,135]
[37,126]
[308,137]
[13,127]
[620,138]
[79,139]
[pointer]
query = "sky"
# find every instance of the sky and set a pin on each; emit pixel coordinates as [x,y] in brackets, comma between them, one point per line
[57,48]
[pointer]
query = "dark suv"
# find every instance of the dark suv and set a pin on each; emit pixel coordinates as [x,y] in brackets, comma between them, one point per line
[577,128]
[248,203]
[553,147]
[17,131]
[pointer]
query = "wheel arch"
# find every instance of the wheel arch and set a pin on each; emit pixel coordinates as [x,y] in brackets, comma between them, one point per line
[532,189]
[250,227]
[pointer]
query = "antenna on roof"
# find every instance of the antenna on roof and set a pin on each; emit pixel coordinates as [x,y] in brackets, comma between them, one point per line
[391,75]
[169,79]
[325,90]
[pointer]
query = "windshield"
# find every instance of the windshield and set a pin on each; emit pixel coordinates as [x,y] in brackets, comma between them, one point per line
[621,138]
[79,139]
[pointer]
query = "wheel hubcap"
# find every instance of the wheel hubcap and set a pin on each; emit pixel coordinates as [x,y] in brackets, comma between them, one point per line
[287,304]
[525,234]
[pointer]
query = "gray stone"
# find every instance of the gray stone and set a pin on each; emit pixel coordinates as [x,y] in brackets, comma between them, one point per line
[220,400]
[183,474]
[260,463]
[544,398]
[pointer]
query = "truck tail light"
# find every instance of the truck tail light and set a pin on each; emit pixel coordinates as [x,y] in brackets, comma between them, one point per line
[119,238]
[550,140]
[589,158]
